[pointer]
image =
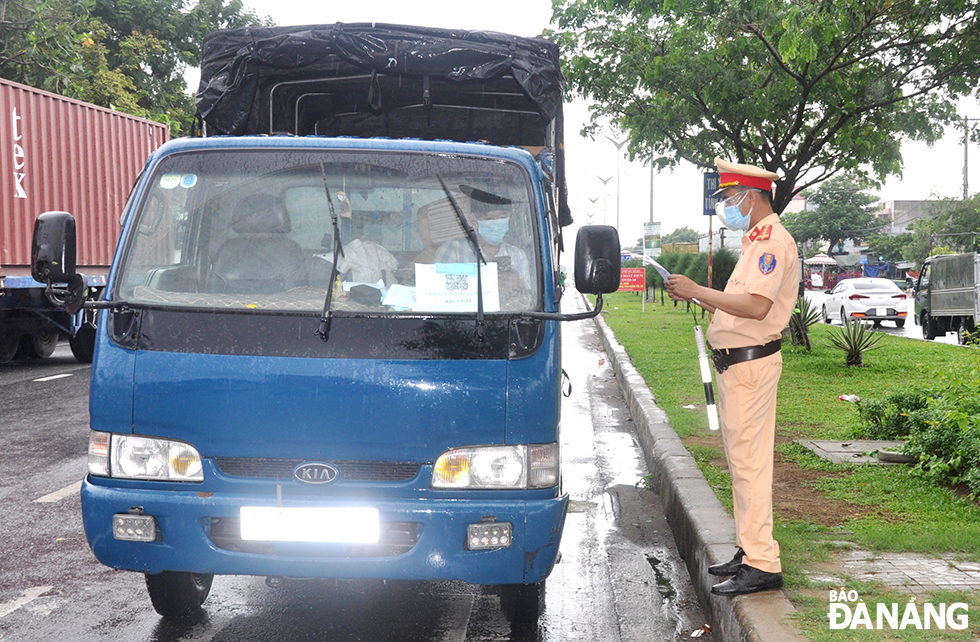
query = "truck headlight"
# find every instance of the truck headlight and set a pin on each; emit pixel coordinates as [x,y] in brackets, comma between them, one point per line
[132,457]
[497,467]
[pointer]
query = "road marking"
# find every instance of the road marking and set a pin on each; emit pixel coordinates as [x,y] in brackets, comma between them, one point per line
[459,619]
[53,377]
[29,596]
[59,495]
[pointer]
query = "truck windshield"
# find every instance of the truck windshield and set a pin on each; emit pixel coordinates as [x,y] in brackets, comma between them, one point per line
[252,230]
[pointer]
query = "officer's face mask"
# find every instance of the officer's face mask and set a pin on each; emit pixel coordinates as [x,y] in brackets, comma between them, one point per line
[730,212]
[494,230]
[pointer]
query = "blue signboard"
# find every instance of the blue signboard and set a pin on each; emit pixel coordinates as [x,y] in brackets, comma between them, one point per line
[710,187]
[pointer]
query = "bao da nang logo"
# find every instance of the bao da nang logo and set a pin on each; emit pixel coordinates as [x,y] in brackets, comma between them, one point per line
[848,611]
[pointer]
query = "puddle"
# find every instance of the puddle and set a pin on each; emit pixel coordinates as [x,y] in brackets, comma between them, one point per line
[664,587]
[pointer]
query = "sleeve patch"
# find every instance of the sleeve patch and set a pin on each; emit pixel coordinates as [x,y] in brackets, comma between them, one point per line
[767,263]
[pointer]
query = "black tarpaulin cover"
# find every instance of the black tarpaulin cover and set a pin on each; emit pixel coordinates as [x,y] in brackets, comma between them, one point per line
[375,80]
[235,61]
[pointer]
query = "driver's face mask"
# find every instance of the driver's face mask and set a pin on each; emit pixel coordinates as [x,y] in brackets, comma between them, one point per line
[494,230]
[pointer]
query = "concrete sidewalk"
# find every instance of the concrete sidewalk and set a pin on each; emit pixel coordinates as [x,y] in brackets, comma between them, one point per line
[703,529]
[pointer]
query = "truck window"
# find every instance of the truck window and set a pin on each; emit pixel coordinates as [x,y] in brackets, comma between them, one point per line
[254,230]
[924,277]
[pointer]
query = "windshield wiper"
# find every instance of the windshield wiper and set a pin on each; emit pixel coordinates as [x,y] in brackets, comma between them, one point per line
[474,241]
[324,330]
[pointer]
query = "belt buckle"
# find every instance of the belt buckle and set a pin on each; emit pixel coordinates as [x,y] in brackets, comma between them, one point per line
[718,360]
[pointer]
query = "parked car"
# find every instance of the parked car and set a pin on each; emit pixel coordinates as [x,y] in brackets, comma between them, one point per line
[870,299]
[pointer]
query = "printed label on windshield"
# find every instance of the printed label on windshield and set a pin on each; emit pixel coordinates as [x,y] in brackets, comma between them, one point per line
[451,287]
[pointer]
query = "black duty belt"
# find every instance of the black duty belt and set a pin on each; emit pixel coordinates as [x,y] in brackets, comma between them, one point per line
[724,358]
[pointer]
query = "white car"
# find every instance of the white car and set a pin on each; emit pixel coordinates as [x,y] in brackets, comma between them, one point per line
[869,299]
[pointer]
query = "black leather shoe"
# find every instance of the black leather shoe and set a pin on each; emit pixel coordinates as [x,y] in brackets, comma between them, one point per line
[728,568]
[748,580]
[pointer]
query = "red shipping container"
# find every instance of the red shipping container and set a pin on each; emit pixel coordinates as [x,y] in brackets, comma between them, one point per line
[64,154]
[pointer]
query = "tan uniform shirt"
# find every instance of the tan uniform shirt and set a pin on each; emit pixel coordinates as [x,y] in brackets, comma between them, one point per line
[768,266]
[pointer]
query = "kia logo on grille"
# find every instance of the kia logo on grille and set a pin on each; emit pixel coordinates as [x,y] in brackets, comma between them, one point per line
[316,473]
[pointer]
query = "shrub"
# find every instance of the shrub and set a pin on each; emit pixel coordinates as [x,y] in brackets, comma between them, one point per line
[854,338]
[941,426]
[893,416]
[804,315]
[722,265]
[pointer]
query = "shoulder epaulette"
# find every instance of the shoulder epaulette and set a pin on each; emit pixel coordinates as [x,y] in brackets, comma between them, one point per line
[761,233]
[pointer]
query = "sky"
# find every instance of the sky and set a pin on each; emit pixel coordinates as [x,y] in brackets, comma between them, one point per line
[929,172]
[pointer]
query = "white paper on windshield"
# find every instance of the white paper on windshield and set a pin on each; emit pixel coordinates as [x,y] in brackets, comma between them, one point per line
[400,297]
[451,287]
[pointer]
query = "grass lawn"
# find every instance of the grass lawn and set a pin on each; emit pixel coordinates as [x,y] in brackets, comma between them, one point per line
[820,508]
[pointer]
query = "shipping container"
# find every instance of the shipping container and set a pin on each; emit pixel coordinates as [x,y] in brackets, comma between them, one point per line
[60,154]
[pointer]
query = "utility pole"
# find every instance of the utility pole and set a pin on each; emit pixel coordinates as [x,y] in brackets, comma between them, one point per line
[652,172]
[604,181]
[966,152]
[619,155]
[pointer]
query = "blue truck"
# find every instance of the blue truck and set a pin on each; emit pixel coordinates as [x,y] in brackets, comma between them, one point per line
[329,344]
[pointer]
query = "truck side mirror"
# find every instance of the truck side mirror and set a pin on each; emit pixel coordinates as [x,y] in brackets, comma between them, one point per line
[53,251]
[53,260]
[597,259]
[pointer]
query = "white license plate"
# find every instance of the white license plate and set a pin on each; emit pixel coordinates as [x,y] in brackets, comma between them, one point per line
[882,312]
[310,524]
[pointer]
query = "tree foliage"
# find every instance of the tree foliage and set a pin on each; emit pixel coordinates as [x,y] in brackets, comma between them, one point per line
[808,89]
[887,247]
[128,55]
[682,235]
[953,226]
[836,211]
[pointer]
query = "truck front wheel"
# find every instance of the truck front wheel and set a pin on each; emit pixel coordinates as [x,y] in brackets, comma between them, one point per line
[522,603]
[178,594]
[928,327]
[83,344]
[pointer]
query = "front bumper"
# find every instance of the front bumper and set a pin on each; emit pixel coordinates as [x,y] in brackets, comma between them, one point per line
[422,538]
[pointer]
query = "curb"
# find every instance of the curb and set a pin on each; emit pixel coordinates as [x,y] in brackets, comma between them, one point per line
[703,530]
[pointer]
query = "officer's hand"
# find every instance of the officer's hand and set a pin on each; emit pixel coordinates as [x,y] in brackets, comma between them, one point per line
[681,288]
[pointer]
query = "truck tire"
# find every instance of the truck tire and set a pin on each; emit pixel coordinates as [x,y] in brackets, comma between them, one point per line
[178,594]
[38,345]
[522,603]
[83,344]
[928,327]
[9,342]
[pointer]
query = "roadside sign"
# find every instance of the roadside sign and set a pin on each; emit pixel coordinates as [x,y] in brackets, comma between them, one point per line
[651,239]
[632,279]
[711,180]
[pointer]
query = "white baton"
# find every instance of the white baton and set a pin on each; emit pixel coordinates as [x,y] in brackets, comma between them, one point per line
[709,392]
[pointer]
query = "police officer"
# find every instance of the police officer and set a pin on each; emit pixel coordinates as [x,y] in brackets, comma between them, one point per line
[744,335]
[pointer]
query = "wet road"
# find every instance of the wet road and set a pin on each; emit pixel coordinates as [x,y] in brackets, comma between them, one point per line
[909,331]
[619,578]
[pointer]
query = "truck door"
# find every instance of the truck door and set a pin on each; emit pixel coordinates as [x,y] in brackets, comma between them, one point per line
[922,292]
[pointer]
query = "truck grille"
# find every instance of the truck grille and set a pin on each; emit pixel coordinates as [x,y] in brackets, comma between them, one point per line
[388,471]
[396,538]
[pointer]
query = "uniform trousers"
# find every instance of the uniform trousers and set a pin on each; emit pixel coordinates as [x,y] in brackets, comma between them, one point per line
[747,403]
